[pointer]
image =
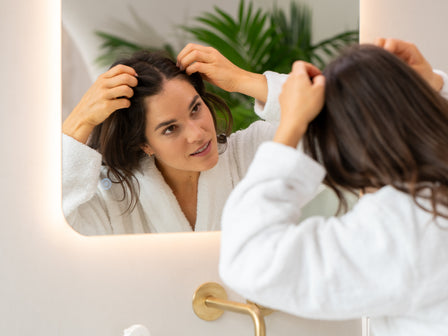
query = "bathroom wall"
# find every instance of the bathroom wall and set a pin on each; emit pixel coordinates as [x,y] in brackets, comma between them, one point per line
[421,22]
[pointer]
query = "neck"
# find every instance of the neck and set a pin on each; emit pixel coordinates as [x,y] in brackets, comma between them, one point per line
[179,179]
[368,190]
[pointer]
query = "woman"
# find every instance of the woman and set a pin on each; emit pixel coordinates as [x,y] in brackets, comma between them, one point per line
[370,124]
[152,163]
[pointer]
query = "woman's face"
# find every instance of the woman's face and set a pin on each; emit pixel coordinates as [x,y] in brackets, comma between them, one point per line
[180,129]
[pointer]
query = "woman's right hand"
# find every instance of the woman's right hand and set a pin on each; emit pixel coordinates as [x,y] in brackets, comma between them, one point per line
[301,100]
[110,92]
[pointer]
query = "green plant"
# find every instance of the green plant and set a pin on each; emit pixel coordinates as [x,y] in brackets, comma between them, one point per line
[256,40]
[115,47]
[295,34]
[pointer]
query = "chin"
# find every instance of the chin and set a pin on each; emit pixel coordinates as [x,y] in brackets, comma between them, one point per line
[212,162]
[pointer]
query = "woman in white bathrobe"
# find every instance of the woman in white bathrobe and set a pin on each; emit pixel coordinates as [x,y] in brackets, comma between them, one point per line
[142,151]
[382,131]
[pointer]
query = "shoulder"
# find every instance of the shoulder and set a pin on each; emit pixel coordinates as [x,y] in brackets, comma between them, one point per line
[254,130]
[394,206]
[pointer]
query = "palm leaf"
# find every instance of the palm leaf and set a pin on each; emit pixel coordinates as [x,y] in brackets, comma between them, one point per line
[220,27]
[227,48]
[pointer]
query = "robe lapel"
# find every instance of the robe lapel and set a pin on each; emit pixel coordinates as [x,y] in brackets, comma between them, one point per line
[162,211]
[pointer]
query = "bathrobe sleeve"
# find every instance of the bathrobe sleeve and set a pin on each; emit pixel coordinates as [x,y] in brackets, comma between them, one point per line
[270,111]
[444,90]
[364,263]
[83,207]
[243,144]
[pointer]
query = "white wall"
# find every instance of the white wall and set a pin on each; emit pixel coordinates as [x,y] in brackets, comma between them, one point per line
[424,23]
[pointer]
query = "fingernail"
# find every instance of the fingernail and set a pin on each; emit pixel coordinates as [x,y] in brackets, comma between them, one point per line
[181,68]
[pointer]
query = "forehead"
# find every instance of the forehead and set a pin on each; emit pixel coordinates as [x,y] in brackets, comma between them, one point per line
[175,98]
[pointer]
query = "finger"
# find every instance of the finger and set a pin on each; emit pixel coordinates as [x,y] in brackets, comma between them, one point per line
[121,79]
[312,70]
[203,55]
[404,50]
[118,92]
[117,104]
[394,46]
[187,50]
[299,67]
[120,69]
[113,105]
[319,81]
[195,67]
[388,44]
[306,68]
[379,41]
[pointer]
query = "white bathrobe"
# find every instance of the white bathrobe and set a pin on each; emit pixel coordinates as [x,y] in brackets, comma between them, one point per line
[90,202]
[386,258]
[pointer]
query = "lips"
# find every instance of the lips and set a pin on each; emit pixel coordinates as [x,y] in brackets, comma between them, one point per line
[202,150]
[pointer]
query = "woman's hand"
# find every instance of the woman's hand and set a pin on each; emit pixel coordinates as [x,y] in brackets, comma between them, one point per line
[110,92]
[410,54]
[219,71]
[301,100]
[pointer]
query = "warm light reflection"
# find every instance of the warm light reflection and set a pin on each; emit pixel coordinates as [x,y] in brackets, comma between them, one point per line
[54,116]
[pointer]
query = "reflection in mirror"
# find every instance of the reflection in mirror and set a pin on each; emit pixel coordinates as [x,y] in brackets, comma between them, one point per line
[148,146]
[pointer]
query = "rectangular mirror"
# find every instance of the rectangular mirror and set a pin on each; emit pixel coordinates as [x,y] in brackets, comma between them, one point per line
[171,181]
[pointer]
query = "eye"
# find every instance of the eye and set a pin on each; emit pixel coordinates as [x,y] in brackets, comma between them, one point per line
[196,108]
[169,130]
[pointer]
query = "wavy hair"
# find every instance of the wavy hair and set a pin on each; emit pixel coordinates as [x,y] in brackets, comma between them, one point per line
[381,124]
[120,136]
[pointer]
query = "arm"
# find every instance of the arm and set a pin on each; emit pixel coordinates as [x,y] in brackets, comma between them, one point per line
[82,204]
[219,71]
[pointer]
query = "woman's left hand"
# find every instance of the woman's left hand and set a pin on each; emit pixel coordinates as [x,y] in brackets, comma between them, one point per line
[218,70]
[301,100]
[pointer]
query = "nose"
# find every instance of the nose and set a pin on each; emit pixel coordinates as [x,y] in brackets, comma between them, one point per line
[194,133]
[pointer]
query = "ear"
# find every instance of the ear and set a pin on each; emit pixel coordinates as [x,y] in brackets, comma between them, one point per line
[147,149]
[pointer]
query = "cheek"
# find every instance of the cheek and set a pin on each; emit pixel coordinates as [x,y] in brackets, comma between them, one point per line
[168,148]
[208,121]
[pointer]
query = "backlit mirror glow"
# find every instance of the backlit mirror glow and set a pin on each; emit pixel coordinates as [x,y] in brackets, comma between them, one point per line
[166,165]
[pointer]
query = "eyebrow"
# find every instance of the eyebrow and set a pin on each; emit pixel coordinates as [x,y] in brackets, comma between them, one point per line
[193,101]
[166,123]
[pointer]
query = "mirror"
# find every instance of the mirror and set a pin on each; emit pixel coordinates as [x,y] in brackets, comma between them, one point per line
[91,196]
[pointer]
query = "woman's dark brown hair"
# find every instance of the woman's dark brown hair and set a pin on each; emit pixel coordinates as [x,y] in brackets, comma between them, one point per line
[382,124]
[120,136]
